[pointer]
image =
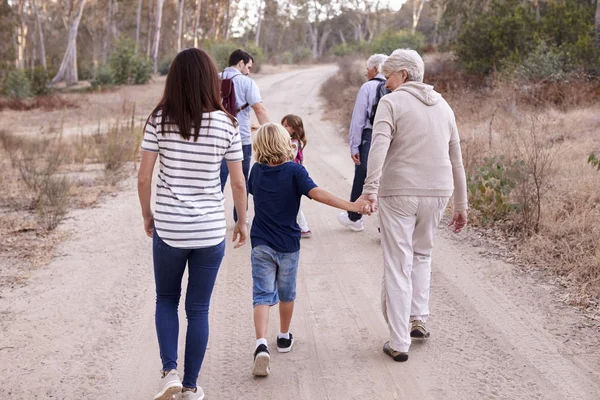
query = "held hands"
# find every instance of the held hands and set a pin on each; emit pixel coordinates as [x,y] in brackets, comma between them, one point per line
[241,231]
[459,221]
[372,199]
[149,225]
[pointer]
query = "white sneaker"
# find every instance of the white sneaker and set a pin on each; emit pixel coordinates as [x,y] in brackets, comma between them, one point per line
[198,395]
[170,385]
[356,226]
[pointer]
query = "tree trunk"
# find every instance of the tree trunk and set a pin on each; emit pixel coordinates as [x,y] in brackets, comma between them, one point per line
[258,26]
[155,46]
[197,22]
[138,25]
[41,33]
[107,34]
[439,14]
[342,37]
[323,41]
[149,38]
[68,67]
[228,20]
[314,38]
[213,28]
[179,23]
[21,35]
[417,9]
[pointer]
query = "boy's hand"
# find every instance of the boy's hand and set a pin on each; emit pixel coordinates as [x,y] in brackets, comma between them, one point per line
[241,231]
[362,206]
[372,199]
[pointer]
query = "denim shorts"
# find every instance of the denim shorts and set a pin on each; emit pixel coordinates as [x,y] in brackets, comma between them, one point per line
[273,276]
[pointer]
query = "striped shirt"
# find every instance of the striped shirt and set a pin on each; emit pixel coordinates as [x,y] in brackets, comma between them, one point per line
[189,210]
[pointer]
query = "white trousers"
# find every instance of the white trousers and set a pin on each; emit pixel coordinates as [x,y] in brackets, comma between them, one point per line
[408,227]
[302,221]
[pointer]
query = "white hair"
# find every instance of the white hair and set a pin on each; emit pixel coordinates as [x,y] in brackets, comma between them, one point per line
[405,60]
[376,60]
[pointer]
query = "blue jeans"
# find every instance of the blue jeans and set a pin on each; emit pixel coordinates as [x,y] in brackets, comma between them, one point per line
[273,276]
[247,150]
[360,171]
[169,265]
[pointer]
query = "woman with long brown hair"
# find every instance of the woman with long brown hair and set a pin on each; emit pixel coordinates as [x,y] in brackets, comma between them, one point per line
[190,133]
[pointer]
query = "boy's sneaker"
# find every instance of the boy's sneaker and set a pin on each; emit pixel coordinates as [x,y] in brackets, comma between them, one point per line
[197,395]
[285,345]
[306,234]
[261,361]
[396,355]
[356,226]
[418,330]
[170,386]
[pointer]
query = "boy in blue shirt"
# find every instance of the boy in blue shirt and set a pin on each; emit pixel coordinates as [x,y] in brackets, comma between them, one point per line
[277,185]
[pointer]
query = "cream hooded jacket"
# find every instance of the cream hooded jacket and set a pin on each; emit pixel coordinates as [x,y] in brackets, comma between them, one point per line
[415,149]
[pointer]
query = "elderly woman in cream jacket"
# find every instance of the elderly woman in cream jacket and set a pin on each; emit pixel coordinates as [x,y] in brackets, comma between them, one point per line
[415,166]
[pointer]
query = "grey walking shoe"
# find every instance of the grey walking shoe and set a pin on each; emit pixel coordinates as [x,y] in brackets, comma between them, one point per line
[396,355]
[189,395]
[418,330]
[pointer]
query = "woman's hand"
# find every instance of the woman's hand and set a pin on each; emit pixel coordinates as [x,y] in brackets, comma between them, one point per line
[372,199]
[241,231]
[459,221]
[149,225]
[362,206]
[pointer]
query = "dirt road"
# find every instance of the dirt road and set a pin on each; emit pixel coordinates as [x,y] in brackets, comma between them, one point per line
[83,326]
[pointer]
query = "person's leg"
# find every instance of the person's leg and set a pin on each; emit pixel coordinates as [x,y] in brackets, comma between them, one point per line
[224,174]
[431,210]
[398,218]
[203,266]
[169,265]
[247,150]
[301,220]
[286,287]
[264,290]
[360,171]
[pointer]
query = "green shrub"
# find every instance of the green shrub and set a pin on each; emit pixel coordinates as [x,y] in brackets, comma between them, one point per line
[302,54]
[40,82]
[164,66]
[490,188]
[142,71]
[85,72]
[389,41]
[347,49]
[128,67]
[287,57]
[505,34]
[594,161]
[220,52]
[17,84]
[104,77]
[545,63]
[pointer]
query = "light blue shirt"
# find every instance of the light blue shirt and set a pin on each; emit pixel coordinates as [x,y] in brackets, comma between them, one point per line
[246,92]
[362,111]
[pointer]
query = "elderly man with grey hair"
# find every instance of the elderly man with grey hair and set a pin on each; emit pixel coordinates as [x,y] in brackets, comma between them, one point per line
[414,166]
[361,129]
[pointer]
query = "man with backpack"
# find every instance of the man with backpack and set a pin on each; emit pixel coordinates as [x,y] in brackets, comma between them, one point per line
[240,94]
[361,129]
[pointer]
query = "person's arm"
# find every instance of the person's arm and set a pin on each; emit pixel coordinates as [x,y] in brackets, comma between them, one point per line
[145,188]
[383,132]
[261,113]
[323,196]
[359,122]
[238,187]
[459,216]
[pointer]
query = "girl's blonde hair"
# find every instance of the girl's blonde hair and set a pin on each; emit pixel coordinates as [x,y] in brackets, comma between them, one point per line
[272,144]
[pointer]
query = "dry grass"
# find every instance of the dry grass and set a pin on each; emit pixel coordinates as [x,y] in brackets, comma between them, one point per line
[46,103]
[551,129]
[46,176]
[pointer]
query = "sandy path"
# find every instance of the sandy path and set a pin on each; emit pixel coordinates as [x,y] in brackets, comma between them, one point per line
[83,326]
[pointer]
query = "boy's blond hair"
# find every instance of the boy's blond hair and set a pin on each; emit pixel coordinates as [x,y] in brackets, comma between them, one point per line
[272,144]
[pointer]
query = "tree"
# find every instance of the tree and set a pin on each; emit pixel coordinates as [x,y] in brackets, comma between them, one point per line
[138,25]
[155,45]
[21,36]
[179,23]
[417,10]
[41,34]
[68,67]
[597,26]
[197,22]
